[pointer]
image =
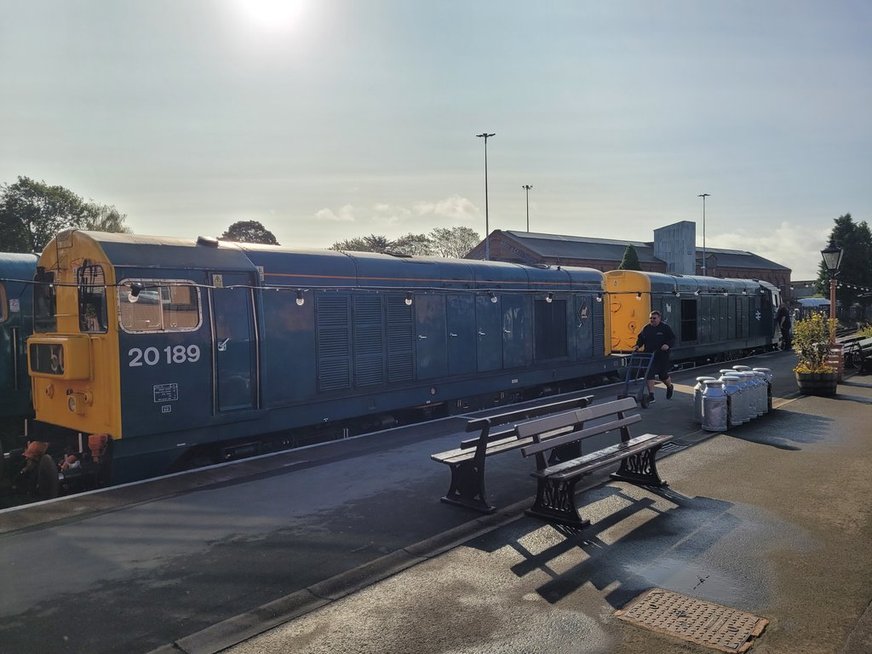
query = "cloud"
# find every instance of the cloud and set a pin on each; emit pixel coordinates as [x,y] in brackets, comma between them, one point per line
[455,208]
[344,215]
[389,214]
[797,247]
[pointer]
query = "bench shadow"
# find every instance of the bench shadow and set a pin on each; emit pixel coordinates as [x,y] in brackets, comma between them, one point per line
[678,534]
[784,430]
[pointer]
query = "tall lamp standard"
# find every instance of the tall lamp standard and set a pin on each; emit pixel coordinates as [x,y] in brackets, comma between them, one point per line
[832,256]
[486,136]
[527,188]
[703,196]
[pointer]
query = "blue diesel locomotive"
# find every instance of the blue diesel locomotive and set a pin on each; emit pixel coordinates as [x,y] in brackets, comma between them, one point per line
[157,349]
[16,275]
[16,321]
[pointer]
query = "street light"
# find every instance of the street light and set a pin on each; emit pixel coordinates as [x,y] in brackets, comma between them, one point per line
[832,256]
[703,196]
[486,136]
[527,188]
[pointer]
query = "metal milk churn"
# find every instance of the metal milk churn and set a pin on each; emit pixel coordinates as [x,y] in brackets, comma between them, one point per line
[697,397]
[738,401]
[755,388]
[734,400]
[748,409]
[749,386]
[767,372]
[762,396]
[714,406]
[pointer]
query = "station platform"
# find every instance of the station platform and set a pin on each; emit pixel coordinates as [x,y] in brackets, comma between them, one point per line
[346,546]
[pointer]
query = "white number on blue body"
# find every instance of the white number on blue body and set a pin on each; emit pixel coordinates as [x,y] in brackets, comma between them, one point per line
[171,354]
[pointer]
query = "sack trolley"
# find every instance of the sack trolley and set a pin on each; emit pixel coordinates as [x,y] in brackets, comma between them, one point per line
[637,367]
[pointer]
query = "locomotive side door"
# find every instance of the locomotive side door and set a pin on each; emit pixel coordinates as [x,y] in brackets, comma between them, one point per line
[430,348]
[234,342]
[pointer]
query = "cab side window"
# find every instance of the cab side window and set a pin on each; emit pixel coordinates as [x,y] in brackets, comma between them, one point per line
[44,301]
[159,306]
[92,298]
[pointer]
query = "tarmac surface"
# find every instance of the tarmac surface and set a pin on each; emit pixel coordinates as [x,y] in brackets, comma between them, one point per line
[346,548]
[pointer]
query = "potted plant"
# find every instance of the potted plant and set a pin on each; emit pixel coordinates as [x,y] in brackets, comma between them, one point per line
[811,341]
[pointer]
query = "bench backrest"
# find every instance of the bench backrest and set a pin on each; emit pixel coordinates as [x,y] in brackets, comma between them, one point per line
[568,427]
[487,425]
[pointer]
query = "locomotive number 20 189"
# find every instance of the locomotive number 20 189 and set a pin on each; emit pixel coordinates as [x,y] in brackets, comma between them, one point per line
[151,356]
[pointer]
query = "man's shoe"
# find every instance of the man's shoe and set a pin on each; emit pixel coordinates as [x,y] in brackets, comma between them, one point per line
[651,399]
[669,391]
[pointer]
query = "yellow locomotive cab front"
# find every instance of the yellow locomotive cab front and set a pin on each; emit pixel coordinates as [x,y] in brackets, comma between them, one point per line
[628,294]
[73,352]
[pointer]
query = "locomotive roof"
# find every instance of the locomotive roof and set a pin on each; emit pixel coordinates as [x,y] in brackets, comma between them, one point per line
[282,266]
[313,268]
[17,266]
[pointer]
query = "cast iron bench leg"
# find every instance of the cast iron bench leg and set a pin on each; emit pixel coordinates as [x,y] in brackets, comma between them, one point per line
[467,486]
[555,502]
[640,469]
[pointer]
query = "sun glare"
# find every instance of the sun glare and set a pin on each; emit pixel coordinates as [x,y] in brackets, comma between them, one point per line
[272,15]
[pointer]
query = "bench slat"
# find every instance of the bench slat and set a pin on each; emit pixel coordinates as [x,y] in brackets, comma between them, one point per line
[494,447]
[587,432]
[591,412]
[476,424]
[601,458]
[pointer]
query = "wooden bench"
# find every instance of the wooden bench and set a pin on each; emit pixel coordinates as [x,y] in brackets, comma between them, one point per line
[859,354]
[496,434]
[555,493]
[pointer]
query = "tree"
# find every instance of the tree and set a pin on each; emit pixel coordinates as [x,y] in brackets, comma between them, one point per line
[32,213]
[630,260]
[105,219]
[248,231]
[855,271]
[455,242]
[418,245]
[371,243]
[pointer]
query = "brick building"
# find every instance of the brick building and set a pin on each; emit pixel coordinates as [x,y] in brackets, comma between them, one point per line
[672,251]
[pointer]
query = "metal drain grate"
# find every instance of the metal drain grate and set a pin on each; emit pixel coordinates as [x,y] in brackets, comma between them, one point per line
[673,446]
[688,618]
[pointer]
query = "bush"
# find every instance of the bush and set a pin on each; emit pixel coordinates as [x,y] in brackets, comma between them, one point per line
[811,340]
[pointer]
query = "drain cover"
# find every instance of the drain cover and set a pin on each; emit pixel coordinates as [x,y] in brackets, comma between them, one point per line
[688,618]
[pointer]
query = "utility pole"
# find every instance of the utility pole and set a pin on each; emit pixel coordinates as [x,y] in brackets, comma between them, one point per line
[486,136]
[527,188]
[703,196]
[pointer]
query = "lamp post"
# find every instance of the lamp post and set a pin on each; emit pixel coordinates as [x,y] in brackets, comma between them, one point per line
[486,136]
[527,188]
[703,196]
[832,256]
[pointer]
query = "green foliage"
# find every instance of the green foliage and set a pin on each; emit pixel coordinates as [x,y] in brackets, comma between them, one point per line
[32,212]
[412,244]
[630,260]
[865,331]
[811,340]
[248,231]
[855,239]
[455,242]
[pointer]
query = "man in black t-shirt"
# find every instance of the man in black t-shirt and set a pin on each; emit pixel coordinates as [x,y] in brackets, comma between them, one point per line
[782,319]
[657,338]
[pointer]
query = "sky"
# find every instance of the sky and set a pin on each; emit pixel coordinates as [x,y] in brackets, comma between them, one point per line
[331,119]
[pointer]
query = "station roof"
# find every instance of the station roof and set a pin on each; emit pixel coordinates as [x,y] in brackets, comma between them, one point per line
[556,246]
